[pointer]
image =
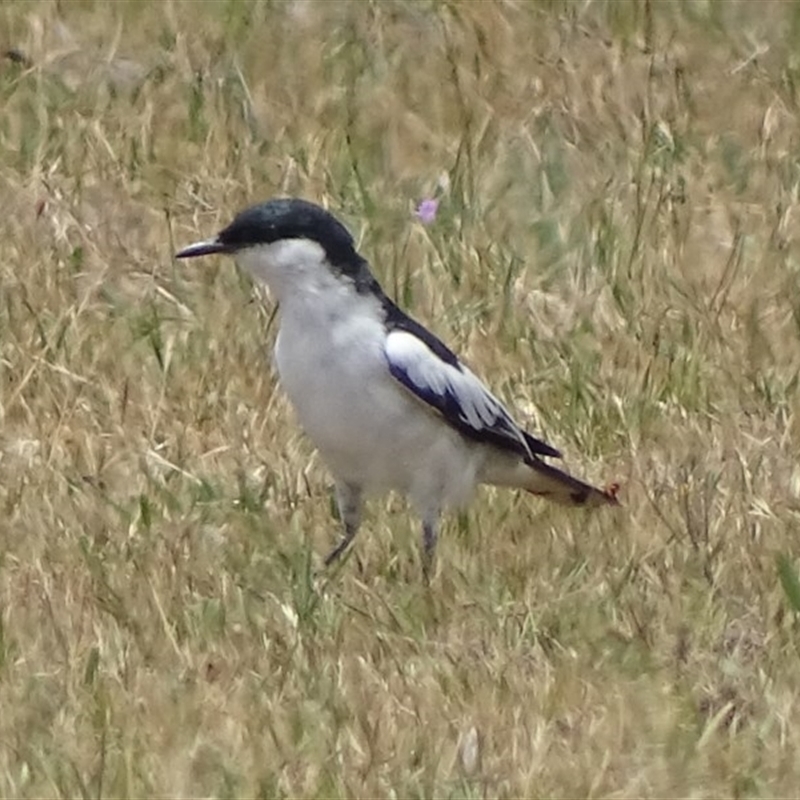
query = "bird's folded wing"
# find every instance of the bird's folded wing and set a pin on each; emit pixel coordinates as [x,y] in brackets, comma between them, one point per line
[458,395]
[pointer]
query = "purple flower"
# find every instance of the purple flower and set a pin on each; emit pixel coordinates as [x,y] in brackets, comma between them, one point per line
[426,211]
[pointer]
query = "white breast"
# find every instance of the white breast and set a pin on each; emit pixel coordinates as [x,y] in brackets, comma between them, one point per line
[368,428]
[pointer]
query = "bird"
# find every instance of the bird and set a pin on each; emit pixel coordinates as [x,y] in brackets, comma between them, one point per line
[386,403]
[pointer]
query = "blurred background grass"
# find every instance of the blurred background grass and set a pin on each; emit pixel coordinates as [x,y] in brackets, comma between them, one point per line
[616,252]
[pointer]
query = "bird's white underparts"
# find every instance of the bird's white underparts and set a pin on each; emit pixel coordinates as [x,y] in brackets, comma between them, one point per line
[386,403]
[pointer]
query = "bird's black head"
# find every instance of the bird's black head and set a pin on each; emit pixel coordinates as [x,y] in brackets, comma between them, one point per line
[289,218]
[283,218]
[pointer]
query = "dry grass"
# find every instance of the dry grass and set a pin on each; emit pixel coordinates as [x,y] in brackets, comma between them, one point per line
[617,253]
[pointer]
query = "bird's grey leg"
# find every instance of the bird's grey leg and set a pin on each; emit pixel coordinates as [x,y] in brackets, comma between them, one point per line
[430,535]
[348,498]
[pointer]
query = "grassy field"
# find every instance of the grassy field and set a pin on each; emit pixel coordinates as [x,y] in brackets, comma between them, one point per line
[617,253]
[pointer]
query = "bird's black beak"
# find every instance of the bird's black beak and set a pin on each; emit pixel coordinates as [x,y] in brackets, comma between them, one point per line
[206,248]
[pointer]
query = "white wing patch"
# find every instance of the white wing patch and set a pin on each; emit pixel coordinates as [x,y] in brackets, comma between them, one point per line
[452,390]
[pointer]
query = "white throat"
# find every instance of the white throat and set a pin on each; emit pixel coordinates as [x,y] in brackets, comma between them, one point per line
[291,268]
